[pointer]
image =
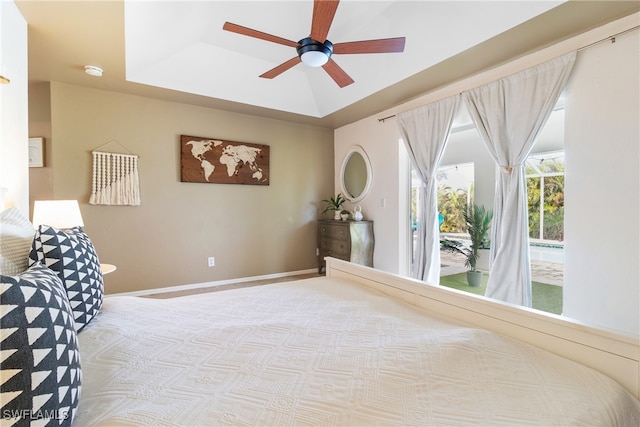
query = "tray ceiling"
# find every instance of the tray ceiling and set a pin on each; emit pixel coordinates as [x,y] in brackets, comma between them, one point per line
[177,50]
[181,46]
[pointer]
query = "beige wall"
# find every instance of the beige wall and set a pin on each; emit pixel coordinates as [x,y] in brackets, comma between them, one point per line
[250,230]
[41,179]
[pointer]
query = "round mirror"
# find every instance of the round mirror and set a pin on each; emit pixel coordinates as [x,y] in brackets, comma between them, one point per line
[355,176]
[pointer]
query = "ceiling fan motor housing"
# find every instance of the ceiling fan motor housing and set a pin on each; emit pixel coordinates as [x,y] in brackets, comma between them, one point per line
[320,52]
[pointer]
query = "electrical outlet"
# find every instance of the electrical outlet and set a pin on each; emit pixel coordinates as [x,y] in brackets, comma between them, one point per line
[212,261]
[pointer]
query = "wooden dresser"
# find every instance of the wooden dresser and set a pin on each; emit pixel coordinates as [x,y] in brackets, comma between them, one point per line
[347,240]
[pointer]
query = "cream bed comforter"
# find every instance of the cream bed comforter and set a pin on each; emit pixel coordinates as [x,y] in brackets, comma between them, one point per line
[323,352]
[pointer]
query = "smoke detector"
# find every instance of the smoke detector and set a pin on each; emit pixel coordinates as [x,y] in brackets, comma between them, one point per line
[92,70]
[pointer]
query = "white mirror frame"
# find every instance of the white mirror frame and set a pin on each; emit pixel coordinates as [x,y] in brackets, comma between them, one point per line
[352,150]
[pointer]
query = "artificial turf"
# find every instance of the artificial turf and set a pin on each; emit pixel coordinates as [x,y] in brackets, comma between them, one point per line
[545,297]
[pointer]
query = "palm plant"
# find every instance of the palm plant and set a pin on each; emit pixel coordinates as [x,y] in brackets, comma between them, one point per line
[478,222]
[451,203]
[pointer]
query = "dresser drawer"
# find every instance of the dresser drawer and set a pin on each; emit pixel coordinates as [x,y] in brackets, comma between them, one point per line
[335,245]
[334,231]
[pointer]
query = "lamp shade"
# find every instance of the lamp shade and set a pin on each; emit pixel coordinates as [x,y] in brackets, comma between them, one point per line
[62,214]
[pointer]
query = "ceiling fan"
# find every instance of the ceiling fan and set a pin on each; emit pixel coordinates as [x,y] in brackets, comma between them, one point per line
[315,50]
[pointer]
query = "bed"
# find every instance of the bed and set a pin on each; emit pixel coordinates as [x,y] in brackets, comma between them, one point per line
[357,347]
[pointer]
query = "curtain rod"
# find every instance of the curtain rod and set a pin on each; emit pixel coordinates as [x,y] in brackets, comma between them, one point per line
[612,38]
[386,118]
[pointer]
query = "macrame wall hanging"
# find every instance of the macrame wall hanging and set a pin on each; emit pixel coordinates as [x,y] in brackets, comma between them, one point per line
[115,179]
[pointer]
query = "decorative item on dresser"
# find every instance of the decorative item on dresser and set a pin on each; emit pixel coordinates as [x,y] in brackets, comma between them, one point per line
[334,205]
[348,240]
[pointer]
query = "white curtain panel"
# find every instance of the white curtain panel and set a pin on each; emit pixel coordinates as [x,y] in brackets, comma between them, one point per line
[509,114]
[425,131]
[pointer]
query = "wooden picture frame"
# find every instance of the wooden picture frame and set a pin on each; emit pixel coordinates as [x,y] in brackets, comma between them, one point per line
[216,161]
[36,152]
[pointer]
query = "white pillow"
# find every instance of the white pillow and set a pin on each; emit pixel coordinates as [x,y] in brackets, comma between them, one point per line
[16,235]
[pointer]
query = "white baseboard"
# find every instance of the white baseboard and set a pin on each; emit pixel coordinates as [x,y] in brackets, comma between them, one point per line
[212,284]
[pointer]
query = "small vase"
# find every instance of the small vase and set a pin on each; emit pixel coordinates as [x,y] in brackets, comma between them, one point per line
[336,215]
[357,213]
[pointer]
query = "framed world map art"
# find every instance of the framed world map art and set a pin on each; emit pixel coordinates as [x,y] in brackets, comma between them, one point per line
[212,160]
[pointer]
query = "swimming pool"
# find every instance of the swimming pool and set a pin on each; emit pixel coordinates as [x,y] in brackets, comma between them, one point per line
[546,253]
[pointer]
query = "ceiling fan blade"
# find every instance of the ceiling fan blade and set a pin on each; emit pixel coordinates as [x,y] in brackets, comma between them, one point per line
[323,13]
[370,46]
[337,74]
[239,29]
[275,72]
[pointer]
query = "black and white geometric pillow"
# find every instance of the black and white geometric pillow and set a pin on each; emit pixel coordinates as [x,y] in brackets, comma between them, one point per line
[40,371]
[71,254]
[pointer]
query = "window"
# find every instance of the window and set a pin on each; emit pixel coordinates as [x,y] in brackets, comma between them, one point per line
[455,193]
[467,175]
[545,194]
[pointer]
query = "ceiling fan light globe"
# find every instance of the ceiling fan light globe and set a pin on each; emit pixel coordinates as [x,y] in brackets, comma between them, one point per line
[313,53]
[314,58]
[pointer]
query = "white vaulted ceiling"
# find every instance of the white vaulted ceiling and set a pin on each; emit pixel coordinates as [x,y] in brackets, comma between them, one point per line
[177,50]
[182,46]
